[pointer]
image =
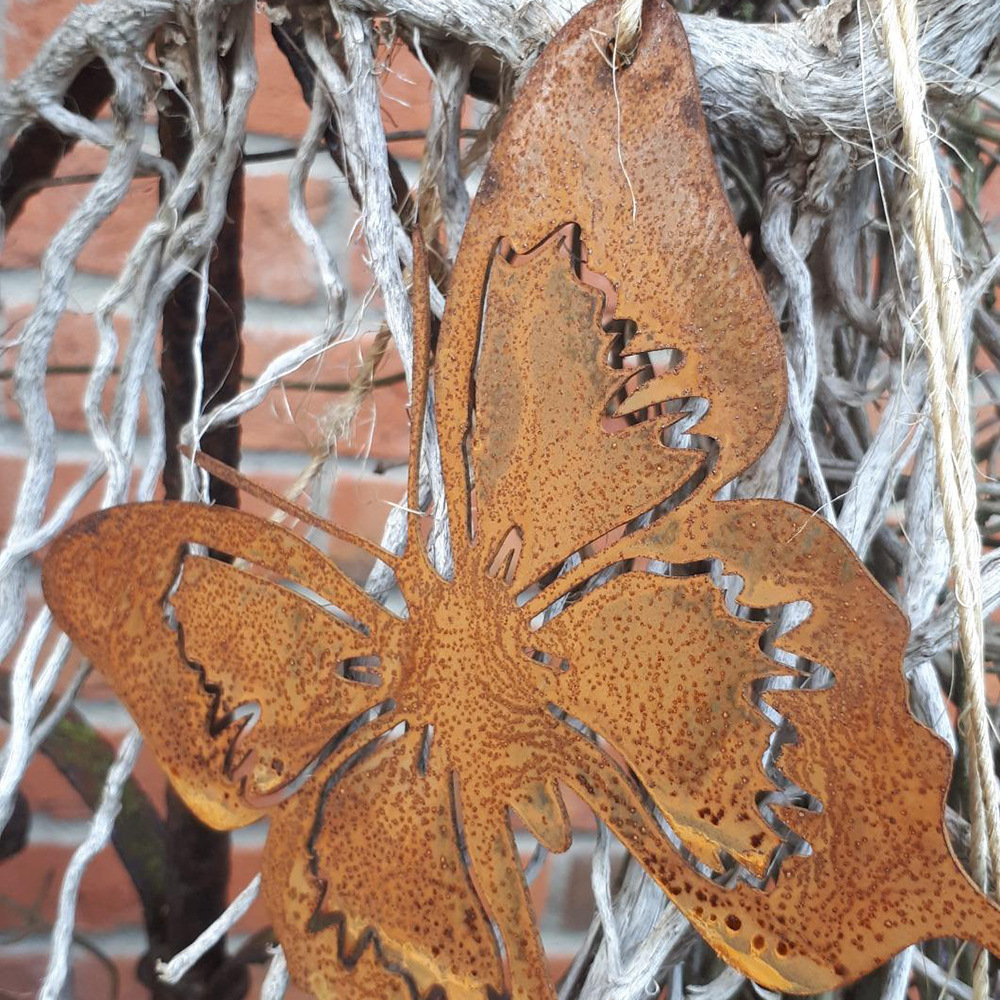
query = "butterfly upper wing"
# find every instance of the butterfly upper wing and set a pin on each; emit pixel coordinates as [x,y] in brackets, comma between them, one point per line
[521,369]
[542,368]
[236,676]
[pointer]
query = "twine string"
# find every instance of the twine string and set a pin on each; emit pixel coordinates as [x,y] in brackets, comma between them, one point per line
[948,379]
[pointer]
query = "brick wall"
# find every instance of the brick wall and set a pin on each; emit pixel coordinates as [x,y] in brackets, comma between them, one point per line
[284,306]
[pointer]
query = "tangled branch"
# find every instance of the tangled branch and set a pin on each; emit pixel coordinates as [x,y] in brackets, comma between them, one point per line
[804,124]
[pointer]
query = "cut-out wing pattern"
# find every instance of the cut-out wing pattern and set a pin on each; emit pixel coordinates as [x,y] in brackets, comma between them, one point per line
[197,648]
[720,681]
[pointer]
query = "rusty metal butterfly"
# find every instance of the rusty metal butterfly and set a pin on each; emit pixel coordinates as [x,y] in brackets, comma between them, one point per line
[600,375]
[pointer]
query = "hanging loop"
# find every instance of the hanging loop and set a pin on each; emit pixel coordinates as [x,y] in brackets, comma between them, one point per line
[627,31]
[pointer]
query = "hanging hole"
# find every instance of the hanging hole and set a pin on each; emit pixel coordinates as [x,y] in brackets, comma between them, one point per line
[619,55]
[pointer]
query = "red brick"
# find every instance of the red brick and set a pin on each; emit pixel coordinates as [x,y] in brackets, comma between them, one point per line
[989,200]
[82,159]
[245,863]
[559,964]
[360,503]
[105,252]
[91,978]
[66,475]
[278,107]
[581,816]
[94,687]
[578,901]
[108,900]
[27,24]
[50,794]
[11,470]
[276,263]
[541,886]
[32,879]
[21,975]
[289,419]
[74,345]
[406,98]
[357,273]
[406,101]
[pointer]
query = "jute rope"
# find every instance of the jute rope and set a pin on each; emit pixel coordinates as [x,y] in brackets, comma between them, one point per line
[629,25]
[943,321]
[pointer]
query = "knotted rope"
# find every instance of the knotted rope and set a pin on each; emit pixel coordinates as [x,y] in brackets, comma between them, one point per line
[629,25]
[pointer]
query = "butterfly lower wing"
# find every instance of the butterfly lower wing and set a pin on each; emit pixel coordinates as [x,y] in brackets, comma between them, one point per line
[879,874]
[382,898]
[237,681]
[658,669]
[539,456]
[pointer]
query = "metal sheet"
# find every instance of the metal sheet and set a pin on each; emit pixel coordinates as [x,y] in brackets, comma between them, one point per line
[611,629]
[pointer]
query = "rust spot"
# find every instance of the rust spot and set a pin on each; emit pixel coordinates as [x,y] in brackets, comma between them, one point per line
[690,112]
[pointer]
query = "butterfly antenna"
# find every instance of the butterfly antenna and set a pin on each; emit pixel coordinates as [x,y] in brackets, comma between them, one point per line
[420,299]
[238,481]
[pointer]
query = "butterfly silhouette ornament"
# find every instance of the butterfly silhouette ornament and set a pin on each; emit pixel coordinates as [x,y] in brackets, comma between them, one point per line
[600,374]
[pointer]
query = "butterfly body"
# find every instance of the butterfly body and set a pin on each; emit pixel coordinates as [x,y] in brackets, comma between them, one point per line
[720,681]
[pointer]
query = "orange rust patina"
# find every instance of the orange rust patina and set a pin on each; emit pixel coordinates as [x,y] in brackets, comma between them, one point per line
[600,375]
